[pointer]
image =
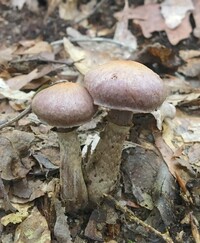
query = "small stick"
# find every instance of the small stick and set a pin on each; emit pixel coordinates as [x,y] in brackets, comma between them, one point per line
[16,118]
[133,218]
[95,39]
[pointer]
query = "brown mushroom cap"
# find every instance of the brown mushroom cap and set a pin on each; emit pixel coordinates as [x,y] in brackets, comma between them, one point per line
[64,105]
[125,85]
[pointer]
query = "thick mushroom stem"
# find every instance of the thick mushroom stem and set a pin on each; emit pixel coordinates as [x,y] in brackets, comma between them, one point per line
[102,170]
[73,189]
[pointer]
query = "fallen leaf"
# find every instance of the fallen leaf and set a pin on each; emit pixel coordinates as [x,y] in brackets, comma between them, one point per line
[14,94]
[122,34]
[28,230]
[149,17]
[84,59]
[38,48]
[174,11]
[15,218]
[192,68]
[68,10]
[18,82]
[61,227]
[6,54]
[166,110]
[166,152]
[91,231]
[195,228]
[177,85]
[159,54]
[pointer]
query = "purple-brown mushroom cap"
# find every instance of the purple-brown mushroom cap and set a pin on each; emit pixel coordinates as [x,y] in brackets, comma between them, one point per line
[64,105]
[125,85]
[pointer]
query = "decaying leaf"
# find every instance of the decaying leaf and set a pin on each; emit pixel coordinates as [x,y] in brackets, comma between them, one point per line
[68,10]
[135,168]
[28,230]
[175,11]
[12,147]
[18,217]
[122,34]
[61,228]
[149,17]
[14,94]
[166,110]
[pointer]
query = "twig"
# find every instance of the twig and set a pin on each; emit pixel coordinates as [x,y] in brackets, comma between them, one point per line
[95,39]
[133,218]
[91,13]
[17,118]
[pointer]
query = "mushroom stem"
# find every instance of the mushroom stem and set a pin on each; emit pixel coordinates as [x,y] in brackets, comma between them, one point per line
[102,170]
[73,189]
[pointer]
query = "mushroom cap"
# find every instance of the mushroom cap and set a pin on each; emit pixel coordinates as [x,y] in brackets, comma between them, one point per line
[125,85]
[64,105]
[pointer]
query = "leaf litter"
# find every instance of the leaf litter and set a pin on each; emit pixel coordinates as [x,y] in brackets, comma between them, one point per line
[160,160]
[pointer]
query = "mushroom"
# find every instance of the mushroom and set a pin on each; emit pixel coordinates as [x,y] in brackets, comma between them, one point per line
[124,87]
[65,106]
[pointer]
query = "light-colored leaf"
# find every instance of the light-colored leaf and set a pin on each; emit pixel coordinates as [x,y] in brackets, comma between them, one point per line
[6,92]
[174,11]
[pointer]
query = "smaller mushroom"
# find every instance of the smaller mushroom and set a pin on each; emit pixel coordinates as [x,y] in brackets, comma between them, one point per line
[65,106]
[124,87]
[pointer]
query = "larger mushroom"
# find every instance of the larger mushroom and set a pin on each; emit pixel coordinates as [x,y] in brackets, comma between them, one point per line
[124,87]
[65,106]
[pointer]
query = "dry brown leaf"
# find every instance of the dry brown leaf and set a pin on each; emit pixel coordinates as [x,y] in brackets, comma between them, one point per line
[174,11]
[181,32]
[191,68]
[12,146]
[195,228]
[39,47]
[176,99]
[61,227]
[122,34]
[150,19]
[188,54]
[84,59]
[6,54]
[166,153]
[28,230]
[20,81]
[177,85]
[68,10]
[52,5]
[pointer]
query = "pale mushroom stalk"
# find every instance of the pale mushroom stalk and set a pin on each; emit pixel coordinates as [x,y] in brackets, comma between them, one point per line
[103,167]
[66,106]
[124,87]
[73,189]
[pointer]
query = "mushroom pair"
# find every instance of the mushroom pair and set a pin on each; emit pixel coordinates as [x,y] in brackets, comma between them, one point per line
[65,106]
[124,87]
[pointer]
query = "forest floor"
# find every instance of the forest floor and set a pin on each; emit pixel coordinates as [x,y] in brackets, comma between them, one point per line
[157,197]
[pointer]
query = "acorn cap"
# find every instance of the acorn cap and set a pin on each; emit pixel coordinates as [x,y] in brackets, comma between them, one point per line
[125,85]
[64,105]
